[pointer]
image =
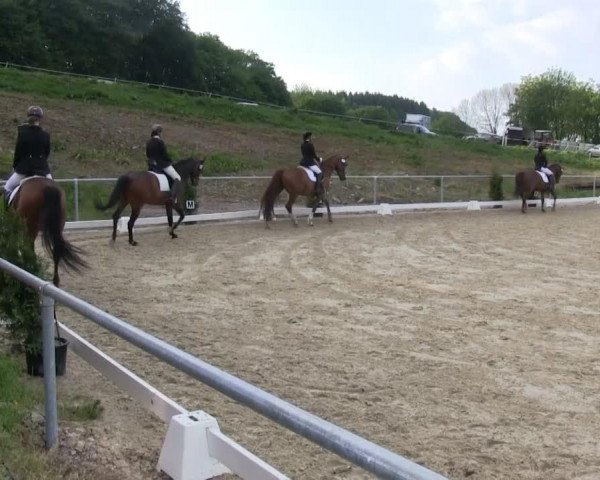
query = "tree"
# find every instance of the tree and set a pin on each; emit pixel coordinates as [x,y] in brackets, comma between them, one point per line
[543,102]
[488,109]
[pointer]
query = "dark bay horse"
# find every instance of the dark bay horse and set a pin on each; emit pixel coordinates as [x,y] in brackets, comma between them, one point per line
[529,181]
[40,202]
[142,188]
[296,182]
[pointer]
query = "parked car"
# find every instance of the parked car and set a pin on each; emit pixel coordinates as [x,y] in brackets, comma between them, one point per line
[414,128]
[594,151]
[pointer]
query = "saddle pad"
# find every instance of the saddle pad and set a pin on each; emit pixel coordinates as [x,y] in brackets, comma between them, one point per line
[310,173]
[13,194]
[163,182]
[543,175]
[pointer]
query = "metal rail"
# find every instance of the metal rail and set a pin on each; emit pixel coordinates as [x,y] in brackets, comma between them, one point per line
[373,458]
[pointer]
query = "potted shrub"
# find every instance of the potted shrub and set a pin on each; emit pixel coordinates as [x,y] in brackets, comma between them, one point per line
[20,305]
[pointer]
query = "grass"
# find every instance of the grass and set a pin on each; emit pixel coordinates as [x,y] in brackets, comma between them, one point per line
[21,456]
[265,132]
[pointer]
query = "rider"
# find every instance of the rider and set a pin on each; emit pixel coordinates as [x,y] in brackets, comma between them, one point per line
[31,151]
[311,161]
[541,165]
[159,160]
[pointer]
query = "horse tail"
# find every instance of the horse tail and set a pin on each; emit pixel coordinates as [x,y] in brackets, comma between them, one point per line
[51,226]
[267,202]
[116,195]
[519,184]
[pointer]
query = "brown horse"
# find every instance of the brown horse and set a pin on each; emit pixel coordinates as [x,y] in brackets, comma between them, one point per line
[529,181]
[296,182]
[142,188]
[40,202]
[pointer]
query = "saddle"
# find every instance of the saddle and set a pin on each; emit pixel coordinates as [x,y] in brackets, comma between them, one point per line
[164,181]
[311,175]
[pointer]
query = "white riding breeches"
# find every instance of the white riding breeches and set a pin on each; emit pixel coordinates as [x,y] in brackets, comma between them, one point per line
[547,171]
[171,172]
[315,169]
[15,179]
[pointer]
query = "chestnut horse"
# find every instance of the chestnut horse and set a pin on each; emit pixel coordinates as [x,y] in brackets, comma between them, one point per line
[142,188]
[40,202]
[296,182]
[529,181]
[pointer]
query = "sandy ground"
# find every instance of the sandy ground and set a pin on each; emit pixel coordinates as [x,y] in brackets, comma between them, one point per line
[466,341]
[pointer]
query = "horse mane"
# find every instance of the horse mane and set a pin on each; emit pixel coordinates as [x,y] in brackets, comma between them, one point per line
[186,162]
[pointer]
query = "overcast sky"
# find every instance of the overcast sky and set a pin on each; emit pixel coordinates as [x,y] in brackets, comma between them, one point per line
[436,51]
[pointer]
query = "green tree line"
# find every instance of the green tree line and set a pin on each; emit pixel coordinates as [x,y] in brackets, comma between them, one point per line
[376,107]
[557,101]
[141,40]
[149,41]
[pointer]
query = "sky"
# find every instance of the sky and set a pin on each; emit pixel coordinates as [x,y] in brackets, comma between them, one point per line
[436,51]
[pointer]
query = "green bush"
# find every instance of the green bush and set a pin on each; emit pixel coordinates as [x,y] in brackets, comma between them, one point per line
[19,305]
[496,192]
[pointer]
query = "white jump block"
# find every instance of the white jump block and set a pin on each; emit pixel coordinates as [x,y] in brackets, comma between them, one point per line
[384,209]
[184,455]
[122,224]
[473,205]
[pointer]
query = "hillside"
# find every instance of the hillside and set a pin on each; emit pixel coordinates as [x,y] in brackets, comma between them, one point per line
[100,128]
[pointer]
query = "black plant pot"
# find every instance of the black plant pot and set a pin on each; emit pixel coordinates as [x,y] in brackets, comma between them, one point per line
[35,361]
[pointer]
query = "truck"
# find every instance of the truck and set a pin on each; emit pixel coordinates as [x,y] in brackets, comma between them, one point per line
[418,119]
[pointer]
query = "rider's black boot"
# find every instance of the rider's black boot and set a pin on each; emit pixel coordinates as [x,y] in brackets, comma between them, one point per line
[175,190]
[319,185]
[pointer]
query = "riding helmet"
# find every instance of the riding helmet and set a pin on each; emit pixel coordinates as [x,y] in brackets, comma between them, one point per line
[35,111]
[156,129]
[307,135]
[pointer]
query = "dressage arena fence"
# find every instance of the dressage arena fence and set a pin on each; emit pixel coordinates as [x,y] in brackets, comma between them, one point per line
[218,195]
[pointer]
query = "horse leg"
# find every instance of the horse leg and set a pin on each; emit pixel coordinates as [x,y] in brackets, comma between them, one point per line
[169,209]
[524,204]
[326,201]
[179,209]
[135,213]
[542,195]
[288,207]
[116,217]
[554,198]
[312,214]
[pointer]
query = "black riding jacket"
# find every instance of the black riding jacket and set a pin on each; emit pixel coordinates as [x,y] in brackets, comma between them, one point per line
[156,151]
[32,151]
[309,156]
[540,160]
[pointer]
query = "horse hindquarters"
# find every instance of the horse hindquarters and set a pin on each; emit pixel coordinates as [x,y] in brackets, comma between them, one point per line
[273,190]
[520,190]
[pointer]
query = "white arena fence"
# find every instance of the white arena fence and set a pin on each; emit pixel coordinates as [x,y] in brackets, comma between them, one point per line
[194,448]
[222,195]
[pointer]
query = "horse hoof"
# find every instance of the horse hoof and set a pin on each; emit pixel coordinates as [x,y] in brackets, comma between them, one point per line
[133,244]
[174,236]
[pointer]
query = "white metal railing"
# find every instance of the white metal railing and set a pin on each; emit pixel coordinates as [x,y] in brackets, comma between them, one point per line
[361,452]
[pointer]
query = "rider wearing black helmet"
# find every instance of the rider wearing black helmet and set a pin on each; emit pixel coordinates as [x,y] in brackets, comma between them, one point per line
[311,161]
[31,151]
[159,160]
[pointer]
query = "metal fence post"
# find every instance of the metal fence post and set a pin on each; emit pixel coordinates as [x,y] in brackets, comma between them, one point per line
[76,198]
[442,189]
[375,190]
[594,187]
[49,370]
